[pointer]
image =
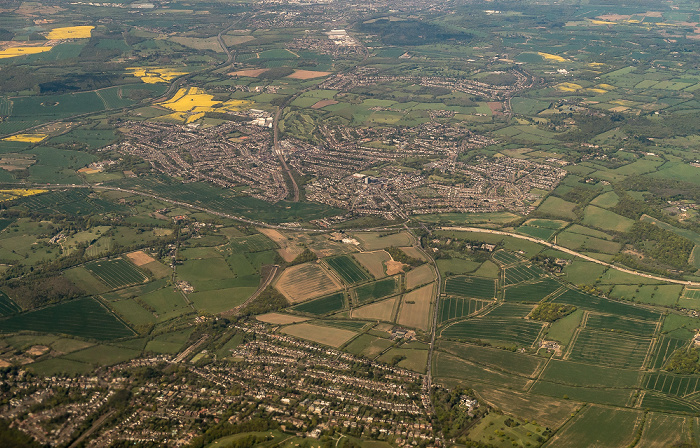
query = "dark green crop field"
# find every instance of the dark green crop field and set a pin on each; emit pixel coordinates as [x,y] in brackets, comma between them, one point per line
[348,270]
[85,318]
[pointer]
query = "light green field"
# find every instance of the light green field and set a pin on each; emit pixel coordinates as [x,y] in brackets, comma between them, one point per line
[563,329]
[558,207]
[606,220]
[600,427]
[414,359]
[219,300]
[583,272]
[606,200]
[488,269]
[493,430]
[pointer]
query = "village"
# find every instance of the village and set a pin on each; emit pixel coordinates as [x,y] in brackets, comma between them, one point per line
[309,390]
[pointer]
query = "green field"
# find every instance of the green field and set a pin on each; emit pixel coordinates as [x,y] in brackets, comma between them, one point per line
[532,292]
[600,427]
[504,258]
[606,220]
[664,349]
[620,324]
[587,375]
[615,397]
[252,243]
[671,384]
[474,287]
[602,305]
[563,329]
[558,208]
[517,363]
[453,308]
[521,273]
[446,365]
[348,269]
[116,273]
[324,305]
[376,290]
[7,306]
[606,348]
[85,318]
[499,330]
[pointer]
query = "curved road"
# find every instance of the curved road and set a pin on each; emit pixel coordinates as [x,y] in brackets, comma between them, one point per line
[572,252]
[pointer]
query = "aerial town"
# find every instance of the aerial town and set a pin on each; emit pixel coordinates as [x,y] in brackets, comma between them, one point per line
[305,388]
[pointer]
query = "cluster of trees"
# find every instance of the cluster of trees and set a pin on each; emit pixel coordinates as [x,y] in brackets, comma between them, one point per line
[224,429]
[304,257]
[450,417]
[549,312]
[684,361]
[269,300]
[35,292]
[401,256]
[14,437]
[660,244]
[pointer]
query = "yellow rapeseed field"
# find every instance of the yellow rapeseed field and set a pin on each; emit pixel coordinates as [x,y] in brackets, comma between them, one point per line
[190,104]
[9,195]
[551,57]
[152,75]
[568,87]
[21,51]
[29,138]
[70,32]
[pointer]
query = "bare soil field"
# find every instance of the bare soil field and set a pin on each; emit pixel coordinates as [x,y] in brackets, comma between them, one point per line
[376,311]
[323,103]
[280,319]
[251,73]
[419,276]
[306,281]
[289,249]
[307,74]
[140,258]
[413,252]
[374,262]
[415,308]
[335,337]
